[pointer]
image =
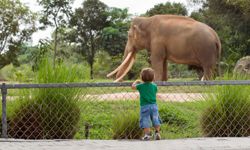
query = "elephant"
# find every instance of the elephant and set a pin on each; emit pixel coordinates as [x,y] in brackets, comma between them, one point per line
[171,38]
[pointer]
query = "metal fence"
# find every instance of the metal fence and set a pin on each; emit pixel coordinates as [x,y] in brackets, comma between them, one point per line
[111,110]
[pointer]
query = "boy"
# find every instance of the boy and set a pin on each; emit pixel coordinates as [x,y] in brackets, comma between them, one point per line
[148,107]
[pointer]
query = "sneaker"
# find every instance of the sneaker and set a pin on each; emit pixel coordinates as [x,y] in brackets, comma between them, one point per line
[146,137]
[157,136]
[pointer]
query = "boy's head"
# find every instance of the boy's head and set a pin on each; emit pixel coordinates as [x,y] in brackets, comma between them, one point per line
[147,75]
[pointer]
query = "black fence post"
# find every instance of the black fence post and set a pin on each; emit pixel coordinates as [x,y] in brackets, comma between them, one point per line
[87,128]
[4,113]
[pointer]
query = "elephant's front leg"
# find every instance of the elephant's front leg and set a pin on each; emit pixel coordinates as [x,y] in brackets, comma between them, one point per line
[158,63]
[165,70]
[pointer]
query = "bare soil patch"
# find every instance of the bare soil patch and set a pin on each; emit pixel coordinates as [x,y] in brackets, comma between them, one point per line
[176,97]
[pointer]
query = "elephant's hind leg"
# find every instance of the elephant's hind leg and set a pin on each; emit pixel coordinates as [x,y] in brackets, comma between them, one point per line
[208,73]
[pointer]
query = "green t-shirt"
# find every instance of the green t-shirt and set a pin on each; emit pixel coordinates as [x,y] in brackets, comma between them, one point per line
[147,92]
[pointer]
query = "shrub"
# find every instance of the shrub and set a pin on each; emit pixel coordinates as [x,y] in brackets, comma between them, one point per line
[126,126]
[23,73]
[228,113]
[171,115]
[48,113]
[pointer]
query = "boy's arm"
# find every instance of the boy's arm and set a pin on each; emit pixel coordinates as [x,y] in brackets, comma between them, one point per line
[134,84]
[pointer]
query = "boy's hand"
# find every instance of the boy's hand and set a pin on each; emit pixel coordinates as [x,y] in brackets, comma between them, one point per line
[134,84]
[137,81]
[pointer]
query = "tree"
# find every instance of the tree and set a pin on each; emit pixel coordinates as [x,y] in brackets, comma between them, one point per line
[89,21]
[17,23]
[54,14]
[168,8]
[114,36]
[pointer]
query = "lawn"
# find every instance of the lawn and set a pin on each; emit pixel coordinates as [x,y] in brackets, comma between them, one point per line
[180,120]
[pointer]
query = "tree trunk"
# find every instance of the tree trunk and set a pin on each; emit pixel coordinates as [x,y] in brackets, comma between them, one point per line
[55,48]
[92,55]
[91,71]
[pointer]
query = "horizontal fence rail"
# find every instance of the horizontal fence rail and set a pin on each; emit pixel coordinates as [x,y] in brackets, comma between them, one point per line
[122,84]
[111,110]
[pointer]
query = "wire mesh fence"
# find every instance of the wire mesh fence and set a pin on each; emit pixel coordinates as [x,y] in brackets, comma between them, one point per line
[111,110]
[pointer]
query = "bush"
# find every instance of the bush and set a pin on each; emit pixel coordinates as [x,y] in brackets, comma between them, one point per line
[22,73]
[48,113]
[171,115]
[45,119]
[228,113]
[126,126]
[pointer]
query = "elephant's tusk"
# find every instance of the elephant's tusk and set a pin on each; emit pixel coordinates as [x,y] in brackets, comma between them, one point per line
[128,68]
[118,68]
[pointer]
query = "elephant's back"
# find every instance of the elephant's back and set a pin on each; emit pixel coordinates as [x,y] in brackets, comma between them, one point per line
[186,39]
[173,28]
[169,26]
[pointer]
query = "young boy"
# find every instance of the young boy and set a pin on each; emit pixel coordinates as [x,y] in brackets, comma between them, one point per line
[148,107]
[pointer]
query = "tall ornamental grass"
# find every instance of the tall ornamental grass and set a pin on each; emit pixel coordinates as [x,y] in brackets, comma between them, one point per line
[49,113]
[126,125]
[228,113]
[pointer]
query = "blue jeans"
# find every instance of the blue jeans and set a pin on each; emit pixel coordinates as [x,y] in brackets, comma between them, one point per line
[149,115]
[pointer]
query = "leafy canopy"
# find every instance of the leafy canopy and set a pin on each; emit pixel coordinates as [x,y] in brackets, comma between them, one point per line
[88,22]
[168,8]
[17,23]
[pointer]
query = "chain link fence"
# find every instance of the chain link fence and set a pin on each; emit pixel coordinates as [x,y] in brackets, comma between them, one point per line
[111,110]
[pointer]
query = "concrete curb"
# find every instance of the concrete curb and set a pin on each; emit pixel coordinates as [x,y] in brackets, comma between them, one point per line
[242,143]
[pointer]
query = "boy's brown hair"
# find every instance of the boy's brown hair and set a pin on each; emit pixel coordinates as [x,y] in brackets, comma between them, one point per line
[147,75]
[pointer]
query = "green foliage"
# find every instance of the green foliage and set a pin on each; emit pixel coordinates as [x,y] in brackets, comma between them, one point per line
[49,118]
[228,113]
[54,13]
[23,73]
[49,113]
[89,21]
[168,8]
[17,25]
[171,115]
[114,36]
[102,65]
[126,125]
[63,72]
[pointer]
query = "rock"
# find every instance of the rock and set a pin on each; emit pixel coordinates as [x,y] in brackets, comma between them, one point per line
[243,66]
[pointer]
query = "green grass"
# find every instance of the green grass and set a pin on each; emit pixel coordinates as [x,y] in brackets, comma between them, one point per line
[100,115]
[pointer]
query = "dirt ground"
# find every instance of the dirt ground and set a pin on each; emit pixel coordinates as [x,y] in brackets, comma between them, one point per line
[175,97]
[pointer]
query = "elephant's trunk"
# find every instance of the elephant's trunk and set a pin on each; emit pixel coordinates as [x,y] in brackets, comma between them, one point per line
[123,69]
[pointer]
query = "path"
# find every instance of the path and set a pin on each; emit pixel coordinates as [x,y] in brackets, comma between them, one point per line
[177,97]
[180,144]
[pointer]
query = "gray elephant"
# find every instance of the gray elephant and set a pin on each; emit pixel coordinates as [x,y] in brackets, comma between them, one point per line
[173,38]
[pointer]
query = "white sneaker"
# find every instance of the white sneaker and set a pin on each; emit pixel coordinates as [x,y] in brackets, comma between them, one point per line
[157,136]
[146,137]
